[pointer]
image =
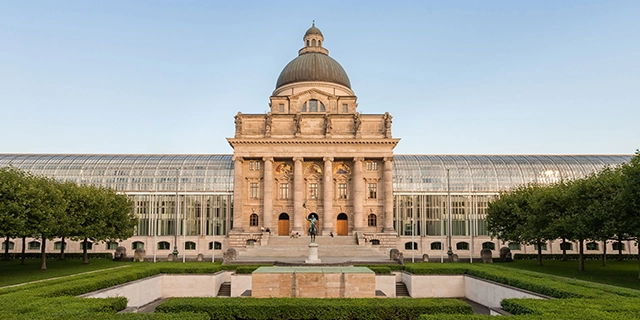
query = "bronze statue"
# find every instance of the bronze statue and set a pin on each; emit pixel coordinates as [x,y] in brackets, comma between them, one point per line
[313,230]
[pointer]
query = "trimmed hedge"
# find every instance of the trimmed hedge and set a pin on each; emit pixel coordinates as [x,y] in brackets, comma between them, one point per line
[320,309]
[56,255]
[556,256]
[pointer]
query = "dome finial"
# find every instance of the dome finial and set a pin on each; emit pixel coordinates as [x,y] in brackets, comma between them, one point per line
[313,23]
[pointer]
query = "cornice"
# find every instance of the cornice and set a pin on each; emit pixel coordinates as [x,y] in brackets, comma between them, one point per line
[238,141]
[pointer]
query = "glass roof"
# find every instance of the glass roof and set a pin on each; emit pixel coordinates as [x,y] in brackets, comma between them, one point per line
[214,173]
[491,173]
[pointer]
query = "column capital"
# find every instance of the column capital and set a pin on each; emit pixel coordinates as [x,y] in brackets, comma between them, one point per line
[387,159]
[296,159]
[325,159]
[235,158]
[265,159]
[358,159]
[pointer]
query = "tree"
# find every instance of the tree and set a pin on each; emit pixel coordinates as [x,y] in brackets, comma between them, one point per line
[13,204]
[630,197]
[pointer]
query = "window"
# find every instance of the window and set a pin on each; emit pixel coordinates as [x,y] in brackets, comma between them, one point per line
[34,245]
[251,242]
[253,190]
[4,245]
[566,246]
[253,220]
[342,191]
[189,245]
[407,245]
[372,166]
[543,247]
[372,220]
[618,246]
[374,242]
[284,191]
[313,42]
[345,108]
[462,246]
[281,107]
[163,245]
[137,245]
[313,190]
[58,245]
[313,105]
[254,165]
[514,246]
[112,245]
[436,245]
[89,245]
[373,190]
[592,246]
[488,245]
[218,245]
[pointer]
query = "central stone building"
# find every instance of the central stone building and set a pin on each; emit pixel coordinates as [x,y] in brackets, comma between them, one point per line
[313,153]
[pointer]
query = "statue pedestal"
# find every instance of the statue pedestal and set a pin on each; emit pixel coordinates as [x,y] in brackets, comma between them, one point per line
[313,253]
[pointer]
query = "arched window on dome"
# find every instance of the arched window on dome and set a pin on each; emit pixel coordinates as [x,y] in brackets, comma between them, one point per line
[313,42]
[307,43]
[319,43]
[313,105]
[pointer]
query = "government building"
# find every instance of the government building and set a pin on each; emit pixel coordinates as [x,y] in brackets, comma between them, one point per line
[315,153]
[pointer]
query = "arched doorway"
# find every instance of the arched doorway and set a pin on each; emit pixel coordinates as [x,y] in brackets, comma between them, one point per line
[283,224]
[342,227]
[312,214]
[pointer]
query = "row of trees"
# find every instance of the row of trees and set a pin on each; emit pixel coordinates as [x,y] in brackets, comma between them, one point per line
[600,207]
[43,208]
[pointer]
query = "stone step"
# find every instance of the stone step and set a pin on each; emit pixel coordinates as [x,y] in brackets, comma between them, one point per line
[304,240]
[323,251]
[225,290]
[401,290]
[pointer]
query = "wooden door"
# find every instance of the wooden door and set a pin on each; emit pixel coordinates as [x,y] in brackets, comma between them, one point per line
[283,227]
[342,228]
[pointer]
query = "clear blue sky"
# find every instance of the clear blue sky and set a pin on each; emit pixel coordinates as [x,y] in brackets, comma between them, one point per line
[459,77]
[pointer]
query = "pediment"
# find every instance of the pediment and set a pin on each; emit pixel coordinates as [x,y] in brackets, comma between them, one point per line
[312,92]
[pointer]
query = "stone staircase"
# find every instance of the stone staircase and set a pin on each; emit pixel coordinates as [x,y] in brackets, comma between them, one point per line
[341,248]
[225,290]
[401,290]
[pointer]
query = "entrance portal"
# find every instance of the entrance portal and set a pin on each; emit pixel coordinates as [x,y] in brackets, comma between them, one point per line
[342,227]
[283,224]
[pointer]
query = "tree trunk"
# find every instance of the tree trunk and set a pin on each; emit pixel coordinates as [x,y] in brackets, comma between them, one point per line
[619,249]
[24,249]
[604,253]
[43,254]
[581,263]
[85,256]
[564,249]
[6,249]
[539,253]
[62,250]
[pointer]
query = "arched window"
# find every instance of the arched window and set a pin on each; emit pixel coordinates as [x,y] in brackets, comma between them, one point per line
[218,245]
[112,245]
[4,245]
[436,245]
[58,245]
[189,245]
[253,220]
[566,246]
[407,245]
[89,245]
[514,246]
[618,246]
[137,245]
[163,245]
[319,43]
[307,43]
[375,242]
[593,246]
[462,246]
[251,242]
[372,220]
[313,42]
[488,245]
[313,105]
[34,245]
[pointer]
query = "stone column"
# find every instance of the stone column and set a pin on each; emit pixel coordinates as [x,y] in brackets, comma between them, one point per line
[327,194]
[238,187]
[358,194]
[298,189]
[387,180]
[267,195]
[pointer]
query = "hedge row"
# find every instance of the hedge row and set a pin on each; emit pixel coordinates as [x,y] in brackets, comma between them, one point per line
[556,256]
[320,309]
[56,255]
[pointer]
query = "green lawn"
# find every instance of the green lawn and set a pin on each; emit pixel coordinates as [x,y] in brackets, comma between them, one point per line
[12,272]
[617,273]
